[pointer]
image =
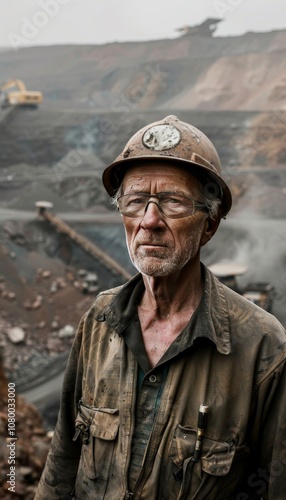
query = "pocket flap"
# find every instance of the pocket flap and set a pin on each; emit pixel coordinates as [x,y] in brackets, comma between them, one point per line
[218,459]
[105,424]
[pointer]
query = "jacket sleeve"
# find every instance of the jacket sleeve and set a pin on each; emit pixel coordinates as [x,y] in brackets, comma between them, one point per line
[269,479]
[58,477]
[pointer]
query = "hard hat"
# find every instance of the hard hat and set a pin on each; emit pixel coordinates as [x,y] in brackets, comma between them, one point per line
[173,141]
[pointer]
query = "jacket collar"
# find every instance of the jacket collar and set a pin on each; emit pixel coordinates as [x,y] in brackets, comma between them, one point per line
[210,320]
[212,315]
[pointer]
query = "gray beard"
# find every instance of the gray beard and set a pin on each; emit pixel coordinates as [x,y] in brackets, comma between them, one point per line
[160,266]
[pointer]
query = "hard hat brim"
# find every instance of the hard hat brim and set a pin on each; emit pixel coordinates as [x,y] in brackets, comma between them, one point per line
[114,173]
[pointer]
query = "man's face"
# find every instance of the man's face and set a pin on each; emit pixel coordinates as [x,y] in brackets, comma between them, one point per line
[157,245]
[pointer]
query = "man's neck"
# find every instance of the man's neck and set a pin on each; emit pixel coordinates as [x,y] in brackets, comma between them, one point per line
[165,296]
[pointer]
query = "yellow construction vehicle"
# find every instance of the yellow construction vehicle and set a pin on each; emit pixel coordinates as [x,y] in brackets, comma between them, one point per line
[16,94]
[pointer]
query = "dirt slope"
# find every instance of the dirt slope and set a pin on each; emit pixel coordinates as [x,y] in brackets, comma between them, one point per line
[246,72]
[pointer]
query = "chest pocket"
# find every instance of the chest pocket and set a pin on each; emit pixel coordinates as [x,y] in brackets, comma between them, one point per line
[190,476]
[216,456]
[98,428]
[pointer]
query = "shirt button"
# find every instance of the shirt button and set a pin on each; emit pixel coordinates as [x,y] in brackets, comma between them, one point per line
[152,378]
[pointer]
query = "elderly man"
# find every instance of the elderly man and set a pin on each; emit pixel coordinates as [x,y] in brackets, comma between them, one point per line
[175,385]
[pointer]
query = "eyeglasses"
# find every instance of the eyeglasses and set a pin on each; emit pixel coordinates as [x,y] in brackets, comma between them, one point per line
[172,205]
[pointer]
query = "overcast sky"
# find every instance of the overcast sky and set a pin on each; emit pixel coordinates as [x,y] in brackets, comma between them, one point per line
[41,22]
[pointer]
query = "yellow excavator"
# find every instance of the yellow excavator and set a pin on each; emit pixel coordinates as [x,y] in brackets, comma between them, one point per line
[16,94]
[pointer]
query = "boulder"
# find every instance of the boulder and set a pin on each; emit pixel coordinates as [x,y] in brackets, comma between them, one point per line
[66,331]
[16,334]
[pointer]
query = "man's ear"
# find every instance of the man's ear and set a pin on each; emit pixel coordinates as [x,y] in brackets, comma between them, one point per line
[211,225]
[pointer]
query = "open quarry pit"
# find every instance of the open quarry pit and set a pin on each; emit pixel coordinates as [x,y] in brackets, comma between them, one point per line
[94,99]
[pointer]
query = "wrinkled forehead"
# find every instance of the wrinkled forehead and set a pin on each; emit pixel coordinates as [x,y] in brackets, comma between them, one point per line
[161,177]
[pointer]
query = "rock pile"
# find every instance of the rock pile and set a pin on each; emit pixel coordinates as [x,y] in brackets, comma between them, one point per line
[40,306]
[21,459]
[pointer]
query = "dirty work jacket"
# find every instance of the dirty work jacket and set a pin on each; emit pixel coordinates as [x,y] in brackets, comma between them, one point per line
[232,358]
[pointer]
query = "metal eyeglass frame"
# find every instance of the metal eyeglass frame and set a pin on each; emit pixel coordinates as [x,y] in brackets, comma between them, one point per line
[195,206]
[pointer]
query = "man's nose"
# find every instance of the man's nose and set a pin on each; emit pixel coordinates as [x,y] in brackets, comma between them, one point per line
[153,216]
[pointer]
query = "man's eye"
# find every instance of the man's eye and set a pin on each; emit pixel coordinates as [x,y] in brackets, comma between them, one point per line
[171,201]
[136,200]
